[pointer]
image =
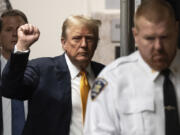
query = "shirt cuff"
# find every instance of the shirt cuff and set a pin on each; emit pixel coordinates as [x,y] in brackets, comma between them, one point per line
[20,52]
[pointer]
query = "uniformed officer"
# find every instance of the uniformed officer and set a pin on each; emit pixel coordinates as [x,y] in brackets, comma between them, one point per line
[129,96]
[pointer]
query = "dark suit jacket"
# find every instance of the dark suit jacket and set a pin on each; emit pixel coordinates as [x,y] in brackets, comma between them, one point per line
[1,110]
[46,83]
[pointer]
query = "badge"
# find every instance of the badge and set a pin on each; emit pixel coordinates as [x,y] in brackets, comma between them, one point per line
[97,87]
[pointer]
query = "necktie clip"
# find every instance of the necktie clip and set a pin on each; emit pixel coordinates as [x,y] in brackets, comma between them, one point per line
[170,108]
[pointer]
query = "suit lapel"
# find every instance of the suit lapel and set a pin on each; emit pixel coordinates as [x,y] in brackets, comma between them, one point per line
[1,119]
[96,67]
[64,85]
[63,74]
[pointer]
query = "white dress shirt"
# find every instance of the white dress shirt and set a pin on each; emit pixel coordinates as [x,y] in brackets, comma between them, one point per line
[6,107]
[131,99]
[76,127]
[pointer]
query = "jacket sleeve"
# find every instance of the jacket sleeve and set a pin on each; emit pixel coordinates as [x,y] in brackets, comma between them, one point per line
[19,77]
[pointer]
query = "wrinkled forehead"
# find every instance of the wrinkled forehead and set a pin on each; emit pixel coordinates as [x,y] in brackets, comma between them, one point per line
[79,30]
[11,21]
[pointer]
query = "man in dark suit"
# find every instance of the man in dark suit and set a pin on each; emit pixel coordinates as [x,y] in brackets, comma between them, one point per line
[10,21]
[53,84]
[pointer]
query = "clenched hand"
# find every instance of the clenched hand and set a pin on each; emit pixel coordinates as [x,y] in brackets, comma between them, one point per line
[27,35]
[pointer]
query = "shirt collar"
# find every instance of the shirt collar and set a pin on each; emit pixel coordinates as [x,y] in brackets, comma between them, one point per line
[152,74]
[3,62]
[175,65]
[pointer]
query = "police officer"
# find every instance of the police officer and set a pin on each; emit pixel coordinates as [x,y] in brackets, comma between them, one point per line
[129,96]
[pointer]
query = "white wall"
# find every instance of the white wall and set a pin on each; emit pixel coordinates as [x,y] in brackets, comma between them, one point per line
[48,17]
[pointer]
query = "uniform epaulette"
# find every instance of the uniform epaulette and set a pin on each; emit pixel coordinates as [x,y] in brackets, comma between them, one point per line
[123,60]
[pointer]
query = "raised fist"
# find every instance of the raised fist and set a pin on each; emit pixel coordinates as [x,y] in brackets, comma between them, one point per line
[27,35]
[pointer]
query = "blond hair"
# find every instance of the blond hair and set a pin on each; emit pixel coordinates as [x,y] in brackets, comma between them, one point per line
[90,23]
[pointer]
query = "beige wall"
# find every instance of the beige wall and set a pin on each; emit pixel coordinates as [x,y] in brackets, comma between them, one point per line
[105,52]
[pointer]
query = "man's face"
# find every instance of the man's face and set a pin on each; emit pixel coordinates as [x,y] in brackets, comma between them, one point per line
[79,45]
[157,42]
[8,34]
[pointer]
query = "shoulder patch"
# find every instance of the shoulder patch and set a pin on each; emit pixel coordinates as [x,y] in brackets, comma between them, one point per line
[97,87]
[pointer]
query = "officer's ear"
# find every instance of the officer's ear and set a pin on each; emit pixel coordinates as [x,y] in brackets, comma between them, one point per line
[135,33]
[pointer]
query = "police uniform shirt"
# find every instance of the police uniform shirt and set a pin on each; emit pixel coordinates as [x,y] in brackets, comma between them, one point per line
[127,98]
[76,127]
[6,107]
